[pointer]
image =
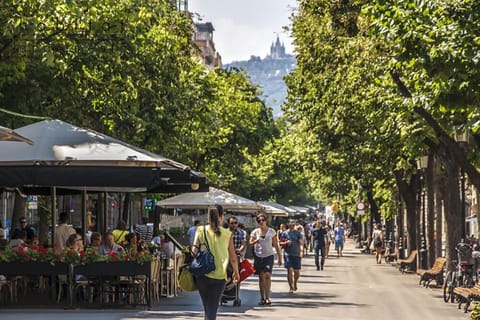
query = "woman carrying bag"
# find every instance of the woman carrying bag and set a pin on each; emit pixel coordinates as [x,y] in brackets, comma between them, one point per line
[211,285]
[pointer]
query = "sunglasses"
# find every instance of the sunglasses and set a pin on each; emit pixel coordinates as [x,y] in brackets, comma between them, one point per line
[260,220]
[235,222]
[23,221]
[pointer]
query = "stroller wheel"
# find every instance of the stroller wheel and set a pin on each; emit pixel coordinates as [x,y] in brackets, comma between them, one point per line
[237,303]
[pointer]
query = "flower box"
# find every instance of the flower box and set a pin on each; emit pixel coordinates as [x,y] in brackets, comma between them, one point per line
[110,269]
[33,268]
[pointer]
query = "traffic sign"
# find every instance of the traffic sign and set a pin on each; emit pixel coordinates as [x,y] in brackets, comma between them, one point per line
[360,206]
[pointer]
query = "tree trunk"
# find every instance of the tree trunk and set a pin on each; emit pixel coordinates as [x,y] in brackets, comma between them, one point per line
[43,223]
[409,196]
[452,211]
[430,218]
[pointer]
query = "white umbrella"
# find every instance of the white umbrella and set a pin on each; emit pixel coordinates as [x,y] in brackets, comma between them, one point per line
[7,134]
[202,200]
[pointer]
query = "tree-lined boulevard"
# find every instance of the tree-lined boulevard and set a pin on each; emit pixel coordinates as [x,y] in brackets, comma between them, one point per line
[378,85]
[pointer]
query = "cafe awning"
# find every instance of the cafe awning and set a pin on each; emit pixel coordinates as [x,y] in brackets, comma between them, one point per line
[202,200]
[71,158]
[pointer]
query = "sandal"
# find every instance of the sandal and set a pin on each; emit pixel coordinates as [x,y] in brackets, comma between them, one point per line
[268,302]
[262,302]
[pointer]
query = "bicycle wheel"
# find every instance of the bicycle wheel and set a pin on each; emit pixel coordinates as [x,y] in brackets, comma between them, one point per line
[447,287]
[455,283]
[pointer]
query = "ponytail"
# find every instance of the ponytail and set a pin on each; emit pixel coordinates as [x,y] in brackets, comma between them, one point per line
[214,215]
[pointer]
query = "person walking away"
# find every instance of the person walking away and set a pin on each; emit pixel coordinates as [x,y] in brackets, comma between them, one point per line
[339,238]
[292,255]
[191,232]
[220,241]
[319,240]
[264,240]
[377,238]
[62,232]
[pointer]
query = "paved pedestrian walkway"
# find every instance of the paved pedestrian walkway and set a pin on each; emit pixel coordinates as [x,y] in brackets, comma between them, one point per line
[351,287]
[345,289]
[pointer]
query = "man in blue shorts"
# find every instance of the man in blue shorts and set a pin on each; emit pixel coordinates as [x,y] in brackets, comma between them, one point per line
[292,255]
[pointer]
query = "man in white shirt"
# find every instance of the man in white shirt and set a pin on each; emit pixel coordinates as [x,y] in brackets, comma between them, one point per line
[62,232]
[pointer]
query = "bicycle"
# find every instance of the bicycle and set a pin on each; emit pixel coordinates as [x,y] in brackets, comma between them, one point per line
[389,254]
[450,283]
[462,273]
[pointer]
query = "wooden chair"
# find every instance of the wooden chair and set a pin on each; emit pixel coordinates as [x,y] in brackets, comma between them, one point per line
[155,279]
[404,264]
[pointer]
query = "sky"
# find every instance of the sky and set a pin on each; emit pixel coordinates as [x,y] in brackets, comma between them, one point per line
[245,27]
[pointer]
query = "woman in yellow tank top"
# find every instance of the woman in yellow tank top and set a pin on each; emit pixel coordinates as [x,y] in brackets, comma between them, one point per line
[211,286]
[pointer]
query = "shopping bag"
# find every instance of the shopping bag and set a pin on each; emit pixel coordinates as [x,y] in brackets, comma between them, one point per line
[246,269]
[185,279]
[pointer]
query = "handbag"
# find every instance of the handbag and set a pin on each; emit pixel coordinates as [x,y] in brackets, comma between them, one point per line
[203,262]
[246,269]
[185,279]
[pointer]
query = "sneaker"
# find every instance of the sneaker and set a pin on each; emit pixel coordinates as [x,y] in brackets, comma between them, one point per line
[318,268]
[322,267]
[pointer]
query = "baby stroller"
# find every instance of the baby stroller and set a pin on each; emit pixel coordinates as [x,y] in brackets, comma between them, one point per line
[231,291]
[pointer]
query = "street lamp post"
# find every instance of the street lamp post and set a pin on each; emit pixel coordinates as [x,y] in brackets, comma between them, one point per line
[422,164]
[462,139]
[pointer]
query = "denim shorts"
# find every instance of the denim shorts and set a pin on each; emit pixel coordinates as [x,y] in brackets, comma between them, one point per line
[294,262]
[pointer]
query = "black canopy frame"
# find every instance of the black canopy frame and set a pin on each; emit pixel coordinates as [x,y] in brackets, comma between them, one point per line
[67,159]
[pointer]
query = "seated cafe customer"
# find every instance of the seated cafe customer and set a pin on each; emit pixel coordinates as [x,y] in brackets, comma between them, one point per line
[109,246]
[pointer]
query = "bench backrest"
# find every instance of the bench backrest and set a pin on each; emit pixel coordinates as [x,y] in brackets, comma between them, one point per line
[413,255]
[439,263]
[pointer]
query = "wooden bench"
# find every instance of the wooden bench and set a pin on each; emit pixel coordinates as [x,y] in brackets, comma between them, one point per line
[392,257]
[434,273]
[404,264]
[467,295]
